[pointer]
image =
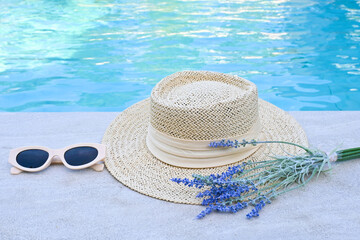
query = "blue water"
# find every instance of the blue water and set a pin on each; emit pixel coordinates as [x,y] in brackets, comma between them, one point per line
[106,55]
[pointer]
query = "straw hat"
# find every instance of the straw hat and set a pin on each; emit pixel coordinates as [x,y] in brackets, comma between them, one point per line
[167,135]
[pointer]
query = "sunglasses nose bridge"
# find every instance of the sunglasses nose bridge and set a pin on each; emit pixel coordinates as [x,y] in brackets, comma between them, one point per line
[56,156]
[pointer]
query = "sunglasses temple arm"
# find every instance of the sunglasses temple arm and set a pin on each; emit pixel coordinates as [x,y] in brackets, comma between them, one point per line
[15,171]
[98,167]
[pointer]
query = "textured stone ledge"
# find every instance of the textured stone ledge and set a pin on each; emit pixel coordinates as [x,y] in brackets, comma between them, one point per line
[62,204]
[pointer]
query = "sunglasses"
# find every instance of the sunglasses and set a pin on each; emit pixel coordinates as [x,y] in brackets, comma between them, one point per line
[77,156]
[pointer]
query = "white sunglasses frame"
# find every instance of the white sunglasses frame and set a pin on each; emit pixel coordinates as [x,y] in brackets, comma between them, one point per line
[57,156]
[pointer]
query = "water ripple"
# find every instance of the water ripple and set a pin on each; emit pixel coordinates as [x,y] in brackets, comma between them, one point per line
[104,55]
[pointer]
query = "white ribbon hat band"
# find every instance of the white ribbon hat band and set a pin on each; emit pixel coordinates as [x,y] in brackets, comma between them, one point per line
[198,154]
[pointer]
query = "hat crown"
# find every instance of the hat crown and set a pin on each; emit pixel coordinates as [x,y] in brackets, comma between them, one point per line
[201,105]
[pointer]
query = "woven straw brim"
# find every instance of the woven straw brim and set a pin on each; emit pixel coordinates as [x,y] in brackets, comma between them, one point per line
[129,160]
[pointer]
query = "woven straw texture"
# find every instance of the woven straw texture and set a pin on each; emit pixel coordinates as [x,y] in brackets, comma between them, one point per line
[200,105]
[129,160]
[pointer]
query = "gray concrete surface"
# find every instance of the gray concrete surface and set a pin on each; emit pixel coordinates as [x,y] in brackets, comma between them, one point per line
[59,203]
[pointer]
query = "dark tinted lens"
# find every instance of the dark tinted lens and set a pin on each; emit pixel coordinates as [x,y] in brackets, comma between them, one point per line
[80,155]
[33,158]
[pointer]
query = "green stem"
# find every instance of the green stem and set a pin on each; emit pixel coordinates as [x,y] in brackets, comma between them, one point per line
[350,157]
[348,154]
[348,150]
[263,165]
[294,144]
[298,186]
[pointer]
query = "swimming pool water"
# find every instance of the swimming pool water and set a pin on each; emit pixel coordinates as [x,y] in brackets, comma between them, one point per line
[106,55]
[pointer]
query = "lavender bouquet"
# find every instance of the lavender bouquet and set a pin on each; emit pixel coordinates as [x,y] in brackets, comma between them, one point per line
[255,184]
